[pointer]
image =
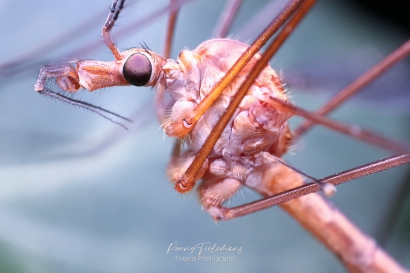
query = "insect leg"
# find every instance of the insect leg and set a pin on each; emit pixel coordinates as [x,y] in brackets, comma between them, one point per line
[350,130]
[115,10]
[358,84]
[170,29]
[226,18]
[339,178]
[160,104]
[356,250]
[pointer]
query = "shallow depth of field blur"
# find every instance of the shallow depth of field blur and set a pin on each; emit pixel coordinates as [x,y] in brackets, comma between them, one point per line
[80,194]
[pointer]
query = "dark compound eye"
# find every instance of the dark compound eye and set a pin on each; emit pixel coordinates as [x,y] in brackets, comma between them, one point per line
[137,69]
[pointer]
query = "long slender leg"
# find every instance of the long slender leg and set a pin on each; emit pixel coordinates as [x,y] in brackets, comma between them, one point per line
[226,18]
[350,130]
[372,74]
[170,29]
[356,250]
[160,104]
[115,10]
[342,177]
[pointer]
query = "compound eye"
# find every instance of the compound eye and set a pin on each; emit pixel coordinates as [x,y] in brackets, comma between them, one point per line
[137,69]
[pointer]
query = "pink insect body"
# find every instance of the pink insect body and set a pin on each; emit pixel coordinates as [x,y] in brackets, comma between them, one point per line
[256,130]
[244,151]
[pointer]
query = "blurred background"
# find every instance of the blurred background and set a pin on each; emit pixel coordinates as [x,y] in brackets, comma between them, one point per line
[80,194]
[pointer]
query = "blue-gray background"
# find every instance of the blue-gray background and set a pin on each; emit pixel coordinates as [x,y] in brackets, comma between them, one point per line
[79,194]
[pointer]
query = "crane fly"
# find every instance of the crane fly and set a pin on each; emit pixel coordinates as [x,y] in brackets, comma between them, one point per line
[226,146]
[68,83]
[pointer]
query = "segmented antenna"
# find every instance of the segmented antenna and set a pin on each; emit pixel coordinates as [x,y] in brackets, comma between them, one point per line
[88,106]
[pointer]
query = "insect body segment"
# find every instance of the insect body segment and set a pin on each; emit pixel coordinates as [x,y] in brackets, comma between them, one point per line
[256,130]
